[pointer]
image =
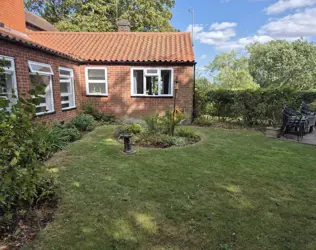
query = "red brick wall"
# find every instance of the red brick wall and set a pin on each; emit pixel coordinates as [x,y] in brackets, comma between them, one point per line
[12,14]
[119,100]
[21,56]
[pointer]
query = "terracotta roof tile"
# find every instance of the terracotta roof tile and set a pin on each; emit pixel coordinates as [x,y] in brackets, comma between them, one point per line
[119,46]
[19,37]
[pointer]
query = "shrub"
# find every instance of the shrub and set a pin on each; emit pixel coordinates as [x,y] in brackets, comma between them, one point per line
[152,124]
[50,140]
[133,129]
[155,140]
[252,107]
[105,118]
[19,147]
[170,120]
[203,121]
[84,122]
[68,131]
[187,133]
[89,108]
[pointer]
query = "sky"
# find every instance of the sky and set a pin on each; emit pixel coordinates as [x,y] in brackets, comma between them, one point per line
[223,25]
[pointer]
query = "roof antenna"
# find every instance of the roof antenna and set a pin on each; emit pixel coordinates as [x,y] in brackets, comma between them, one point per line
[192,11]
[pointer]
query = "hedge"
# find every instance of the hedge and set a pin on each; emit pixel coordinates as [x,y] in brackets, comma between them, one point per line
[251,107]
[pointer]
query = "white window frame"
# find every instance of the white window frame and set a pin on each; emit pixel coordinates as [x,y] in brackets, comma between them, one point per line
[159,81]
[40,72]
[34,72]
[11,71]
[72,86]
[96,81]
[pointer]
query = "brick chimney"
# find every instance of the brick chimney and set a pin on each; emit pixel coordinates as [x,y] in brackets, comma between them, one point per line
[123,26]
[12,14]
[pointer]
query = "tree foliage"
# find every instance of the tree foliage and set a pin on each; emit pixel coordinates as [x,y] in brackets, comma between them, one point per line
[101,15]
[283,64]
[230,71]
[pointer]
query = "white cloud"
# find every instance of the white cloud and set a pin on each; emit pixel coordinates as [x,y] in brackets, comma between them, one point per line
[222,26]
[203,57]
[283,5]
[300,24]
[243,42]
[212,36]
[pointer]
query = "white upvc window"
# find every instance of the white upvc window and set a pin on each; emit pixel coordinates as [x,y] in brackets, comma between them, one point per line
[154,82]
[67,88]
[43,73]
[96,81]
[8,84]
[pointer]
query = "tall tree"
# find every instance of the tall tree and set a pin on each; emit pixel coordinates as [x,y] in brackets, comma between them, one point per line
[101,15]
[230,71]
[282,63]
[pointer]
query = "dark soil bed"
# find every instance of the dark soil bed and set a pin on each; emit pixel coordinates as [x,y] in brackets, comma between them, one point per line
[26,224]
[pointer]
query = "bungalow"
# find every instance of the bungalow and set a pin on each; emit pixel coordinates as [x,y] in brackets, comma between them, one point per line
[124,73]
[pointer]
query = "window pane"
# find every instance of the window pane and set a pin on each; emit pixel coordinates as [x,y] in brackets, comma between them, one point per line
[46,99]
[64,72]
[5,63]
[138,82]
[65,87]
[96,74]
[65,105]
[40,79]
[166,82]
[42,100]
[152,85]
[41,109]
[65,98]
[97,88]
[152,71]
[40,68]
[5,85]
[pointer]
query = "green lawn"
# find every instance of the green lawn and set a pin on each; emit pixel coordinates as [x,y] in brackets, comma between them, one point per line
[194,197]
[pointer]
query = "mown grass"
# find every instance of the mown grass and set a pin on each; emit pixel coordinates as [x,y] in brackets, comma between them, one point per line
[194,197]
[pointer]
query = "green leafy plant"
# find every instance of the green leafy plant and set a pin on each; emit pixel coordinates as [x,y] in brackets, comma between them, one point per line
[84,122]
[133,129]
[187,133]
[203,121]
[105,118]
[153,125]
[170,120]
[19,147]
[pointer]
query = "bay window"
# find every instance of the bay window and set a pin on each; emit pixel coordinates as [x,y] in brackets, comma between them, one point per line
[67,88]
[43,74]
[153,82]
[8,85]
[96,81]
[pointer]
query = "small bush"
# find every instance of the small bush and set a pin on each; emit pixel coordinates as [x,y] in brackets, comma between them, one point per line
[170,120]
[203,121]
[158,140]
[89,108]
[152,124]
[135,121]
[84,122]
[53,138]
[105,118]
[187,133]
[68,130]
[134,129]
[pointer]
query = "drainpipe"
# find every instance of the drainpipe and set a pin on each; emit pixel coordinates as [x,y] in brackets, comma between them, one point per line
[193,111]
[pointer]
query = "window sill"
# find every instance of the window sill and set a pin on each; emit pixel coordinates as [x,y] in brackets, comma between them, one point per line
[151,96]
[46,113]
[68,109]
[96,95]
